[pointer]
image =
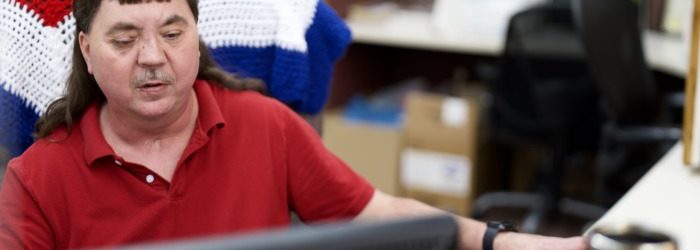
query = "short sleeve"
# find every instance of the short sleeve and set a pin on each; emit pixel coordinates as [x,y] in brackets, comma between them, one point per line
[321,186]
[22,224]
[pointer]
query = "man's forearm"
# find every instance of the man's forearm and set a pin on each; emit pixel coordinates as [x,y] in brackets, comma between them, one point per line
[383,206]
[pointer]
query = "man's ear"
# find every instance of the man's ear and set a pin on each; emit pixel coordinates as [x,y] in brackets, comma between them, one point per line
[85,49]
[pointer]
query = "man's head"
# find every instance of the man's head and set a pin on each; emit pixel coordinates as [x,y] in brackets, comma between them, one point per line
[142,54]
[144,57]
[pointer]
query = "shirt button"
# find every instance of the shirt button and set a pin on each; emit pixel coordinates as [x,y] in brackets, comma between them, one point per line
[119,163]
[150,178]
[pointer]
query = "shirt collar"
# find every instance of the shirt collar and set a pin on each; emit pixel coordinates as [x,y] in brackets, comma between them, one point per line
[95,146]
[210,115]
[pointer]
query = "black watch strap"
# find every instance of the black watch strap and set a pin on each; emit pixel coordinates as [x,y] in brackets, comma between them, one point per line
[492,229]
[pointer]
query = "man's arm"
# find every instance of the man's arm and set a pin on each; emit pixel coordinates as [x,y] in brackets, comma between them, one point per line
[383,206]
[22,224]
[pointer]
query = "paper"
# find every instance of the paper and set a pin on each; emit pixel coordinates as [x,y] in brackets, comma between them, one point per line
[438,172]
[454,112]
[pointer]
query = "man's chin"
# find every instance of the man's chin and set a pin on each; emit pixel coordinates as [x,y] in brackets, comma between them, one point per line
[154,109]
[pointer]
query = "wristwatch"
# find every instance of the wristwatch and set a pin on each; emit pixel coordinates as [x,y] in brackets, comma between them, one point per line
[492,229]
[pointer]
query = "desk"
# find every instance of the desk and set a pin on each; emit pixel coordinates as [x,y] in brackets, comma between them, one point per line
[667,199]
[416,29]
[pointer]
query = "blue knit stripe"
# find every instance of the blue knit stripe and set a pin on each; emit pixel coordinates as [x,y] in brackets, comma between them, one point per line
[327,38]
[245,61]
[283,71]
[17,120]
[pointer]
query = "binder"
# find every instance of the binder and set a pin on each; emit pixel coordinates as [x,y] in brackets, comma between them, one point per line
[691,111]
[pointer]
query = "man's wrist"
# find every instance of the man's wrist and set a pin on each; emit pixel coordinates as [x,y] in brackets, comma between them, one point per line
[506,240]
[493,229]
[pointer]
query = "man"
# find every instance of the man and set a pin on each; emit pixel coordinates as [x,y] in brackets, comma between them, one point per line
[152,141]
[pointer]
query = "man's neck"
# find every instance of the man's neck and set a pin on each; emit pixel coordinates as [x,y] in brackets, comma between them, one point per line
[121,129]
[157,144]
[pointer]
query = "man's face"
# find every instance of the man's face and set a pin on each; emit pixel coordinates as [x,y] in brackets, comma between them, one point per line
[144,57]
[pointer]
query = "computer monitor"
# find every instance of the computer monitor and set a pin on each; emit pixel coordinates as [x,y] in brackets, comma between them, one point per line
[435,232]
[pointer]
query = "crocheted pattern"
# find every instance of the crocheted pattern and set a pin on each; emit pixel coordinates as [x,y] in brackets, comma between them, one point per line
[50,11]
[298,77]
[291,45]
[35,59]
[256,24]
[280,42]
[17,123]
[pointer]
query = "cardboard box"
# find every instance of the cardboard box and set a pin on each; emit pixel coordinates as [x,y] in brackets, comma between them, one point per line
[438,161]
[371,150]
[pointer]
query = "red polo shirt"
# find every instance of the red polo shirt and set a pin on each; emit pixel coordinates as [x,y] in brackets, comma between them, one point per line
[250,161]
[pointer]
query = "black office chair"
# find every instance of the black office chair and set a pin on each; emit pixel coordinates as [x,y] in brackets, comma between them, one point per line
[543,98]
[637,131]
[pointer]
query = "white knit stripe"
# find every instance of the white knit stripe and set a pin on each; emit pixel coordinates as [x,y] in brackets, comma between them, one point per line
[256,23]
[34,59]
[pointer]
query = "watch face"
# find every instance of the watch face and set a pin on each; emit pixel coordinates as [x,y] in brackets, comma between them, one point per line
[502,225]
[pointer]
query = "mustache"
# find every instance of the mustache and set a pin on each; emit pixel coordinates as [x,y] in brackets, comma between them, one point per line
[152,75]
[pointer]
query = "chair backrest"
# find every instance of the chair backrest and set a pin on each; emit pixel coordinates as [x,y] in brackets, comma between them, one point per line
[544,91]
[292,47]
[610,30]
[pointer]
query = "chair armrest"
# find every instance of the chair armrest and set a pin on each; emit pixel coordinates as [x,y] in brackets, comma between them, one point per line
[650,134]
[675,100]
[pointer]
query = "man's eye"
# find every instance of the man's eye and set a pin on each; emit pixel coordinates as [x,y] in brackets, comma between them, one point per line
[172,35]
[122,42]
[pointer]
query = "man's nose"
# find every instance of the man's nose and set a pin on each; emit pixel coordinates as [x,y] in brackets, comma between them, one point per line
[151,54]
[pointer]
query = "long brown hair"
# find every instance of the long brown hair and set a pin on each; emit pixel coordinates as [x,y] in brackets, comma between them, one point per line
[82,89]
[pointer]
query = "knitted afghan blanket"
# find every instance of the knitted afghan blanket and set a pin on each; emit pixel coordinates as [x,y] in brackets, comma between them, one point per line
[292,45]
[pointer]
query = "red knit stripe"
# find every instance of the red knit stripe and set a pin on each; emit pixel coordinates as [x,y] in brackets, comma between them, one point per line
[51,11]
